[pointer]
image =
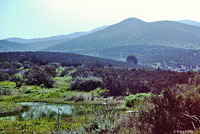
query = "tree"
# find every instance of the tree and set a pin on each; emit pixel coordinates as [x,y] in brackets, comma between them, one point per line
[132,59]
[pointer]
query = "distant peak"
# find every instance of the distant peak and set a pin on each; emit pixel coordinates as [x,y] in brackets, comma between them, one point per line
[190,22]
[132,19]
[129,23]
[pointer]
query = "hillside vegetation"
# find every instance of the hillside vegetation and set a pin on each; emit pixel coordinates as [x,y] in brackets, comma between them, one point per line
[106,99]
[157,56]
[65,59]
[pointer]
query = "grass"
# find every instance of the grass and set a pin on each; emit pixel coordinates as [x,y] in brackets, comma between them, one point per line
[41,125]
[63,83]
[83,122]
[6,107]
[135,100]
[7,84]
[61,93]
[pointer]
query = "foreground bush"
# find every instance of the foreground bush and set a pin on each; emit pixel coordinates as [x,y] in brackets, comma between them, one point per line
[86,84]
[170,112]
[103,121]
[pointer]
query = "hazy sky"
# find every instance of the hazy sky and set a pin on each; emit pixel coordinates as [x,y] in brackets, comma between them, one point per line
[43,18]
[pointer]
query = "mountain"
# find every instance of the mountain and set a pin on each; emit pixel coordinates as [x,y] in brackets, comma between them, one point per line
[98,29]
[79,34]
[7,46]
[58,37]
[133,31]
[190,22]
[113,35]
[36,46]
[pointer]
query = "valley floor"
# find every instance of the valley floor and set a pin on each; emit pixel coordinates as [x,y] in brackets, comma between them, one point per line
[96,100]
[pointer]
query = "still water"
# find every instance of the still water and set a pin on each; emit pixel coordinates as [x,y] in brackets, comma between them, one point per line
[44,110]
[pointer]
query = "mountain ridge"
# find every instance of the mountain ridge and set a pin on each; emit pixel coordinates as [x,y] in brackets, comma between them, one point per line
[134,31]
[7,46]
[56,37]
[190,22]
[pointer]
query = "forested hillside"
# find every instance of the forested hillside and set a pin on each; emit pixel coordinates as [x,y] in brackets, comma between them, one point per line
[67,59]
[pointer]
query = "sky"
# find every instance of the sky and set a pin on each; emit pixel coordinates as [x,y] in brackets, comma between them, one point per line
[43,18]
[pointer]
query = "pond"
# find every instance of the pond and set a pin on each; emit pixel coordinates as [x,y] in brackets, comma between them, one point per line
[38,110]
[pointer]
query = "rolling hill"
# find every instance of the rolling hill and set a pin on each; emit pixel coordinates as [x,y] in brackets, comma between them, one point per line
[7,46]
[134,31]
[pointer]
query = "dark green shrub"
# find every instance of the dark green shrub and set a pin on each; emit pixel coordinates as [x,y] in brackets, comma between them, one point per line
[32,89]
[4,76]
[50,70]
[81,71]
[16,65]
[54,94]
[18,78]
[27,64]
[66,71]
[75,98]
[37,76]
[5,64]
[5,91]
[86,84]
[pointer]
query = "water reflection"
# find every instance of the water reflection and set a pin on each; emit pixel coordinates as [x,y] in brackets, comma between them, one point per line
[38,110]
[43,110]
[48,110]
